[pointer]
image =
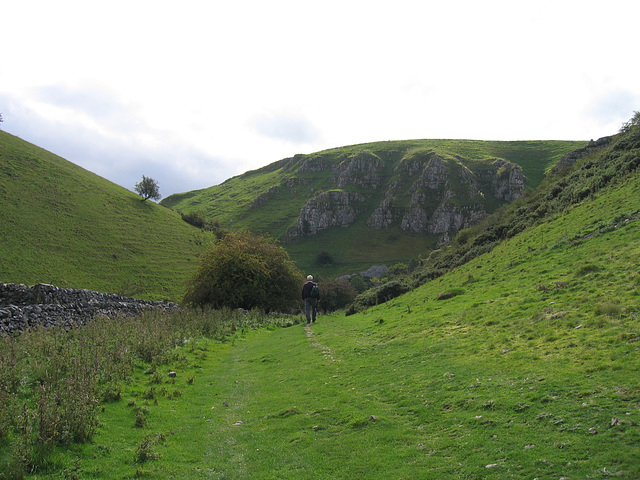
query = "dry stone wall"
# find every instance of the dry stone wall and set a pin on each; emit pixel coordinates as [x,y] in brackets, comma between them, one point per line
[42,305]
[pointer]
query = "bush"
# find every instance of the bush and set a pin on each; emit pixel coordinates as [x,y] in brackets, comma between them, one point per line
[380,294]
[397,270]
[335,295]
[359,283]
[245,271]
[626,126]
[198,220]
[453,292]
[194,218]
[324,258]
[145,451]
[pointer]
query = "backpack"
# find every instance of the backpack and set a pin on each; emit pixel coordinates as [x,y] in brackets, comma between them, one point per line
[315,292]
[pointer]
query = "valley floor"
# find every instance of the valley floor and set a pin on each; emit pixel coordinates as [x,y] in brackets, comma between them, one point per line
[530,371]
[347,399]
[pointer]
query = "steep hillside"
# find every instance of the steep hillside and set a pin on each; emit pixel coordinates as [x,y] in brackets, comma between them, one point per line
[519,359]
[520,363]
[63,225]
[374,203]
[576,178]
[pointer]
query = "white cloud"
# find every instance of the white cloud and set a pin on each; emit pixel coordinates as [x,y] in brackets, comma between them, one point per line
[291,128]
[614,106]
[193,92]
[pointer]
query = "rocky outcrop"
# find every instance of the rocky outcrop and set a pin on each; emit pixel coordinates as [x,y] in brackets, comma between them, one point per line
[361,170]
[383,216]
[433,176]
[314,164]
[336,208]
[507,180]
[41,305]
[446,195]
[425,193]
[295,181]
[377,271]
[449,217]
[570,158]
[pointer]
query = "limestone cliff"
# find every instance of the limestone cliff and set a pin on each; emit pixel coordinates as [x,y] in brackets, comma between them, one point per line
[379,202]
[362,170]
[422,193]
[328,209]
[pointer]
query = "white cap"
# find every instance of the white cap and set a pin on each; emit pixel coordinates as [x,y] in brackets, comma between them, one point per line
[309,277]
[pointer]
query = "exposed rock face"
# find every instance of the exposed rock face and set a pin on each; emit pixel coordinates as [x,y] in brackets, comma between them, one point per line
[507,181]
[314,164]
[571,157]
[294,182]
[41,305]
[435,206]
[360,170]
[377,271]
[424,193]
[452,218]
[329,209]
[433,176]
[382,217]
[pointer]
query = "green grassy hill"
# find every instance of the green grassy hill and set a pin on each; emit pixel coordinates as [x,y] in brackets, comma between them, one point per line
[63,225]
[520,361]
[530,371]
[513,354]
[269,200]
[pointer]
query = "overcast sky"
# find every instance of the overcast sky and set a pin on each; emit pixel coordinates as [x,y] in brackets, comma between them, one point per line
[193,92]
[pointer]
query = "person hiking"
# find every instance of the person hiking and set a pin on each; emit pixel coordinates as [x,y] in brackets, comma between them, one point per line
[311,297]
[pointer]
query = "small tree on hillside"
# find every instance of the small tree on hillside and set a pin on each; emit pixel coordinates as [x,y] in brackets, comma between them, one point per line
[148,188]
[245,271]
[626,126]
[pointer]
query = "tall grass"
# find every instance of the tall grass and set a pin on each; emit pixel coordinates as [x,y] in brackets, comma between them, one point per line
[53,382]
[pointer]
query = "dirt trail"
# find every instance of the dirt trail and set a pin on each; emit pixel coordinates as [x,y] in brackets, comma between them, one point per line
[326,351]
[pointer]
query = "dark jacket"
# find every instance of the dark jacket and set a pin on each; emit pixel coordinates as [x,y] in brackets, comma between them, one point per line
[306,290]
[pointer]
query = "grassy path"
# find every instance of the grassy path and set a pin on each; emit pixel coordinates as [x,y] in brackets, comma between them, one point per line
[530,372]
[286,406]
[376,397]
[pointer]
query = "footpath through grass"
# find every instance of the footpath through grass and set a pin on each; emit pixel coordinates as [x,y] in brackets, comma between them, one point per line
[367,398]
[523,363]
[419,388]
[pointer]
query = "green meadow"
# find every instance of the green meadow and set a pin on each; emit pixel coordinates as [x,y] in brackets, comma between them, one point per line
[520,364]
[514,352]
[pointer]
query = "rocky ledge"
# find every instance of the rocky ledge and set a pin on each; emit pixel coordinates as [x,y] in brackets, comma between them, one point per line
[42,305]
